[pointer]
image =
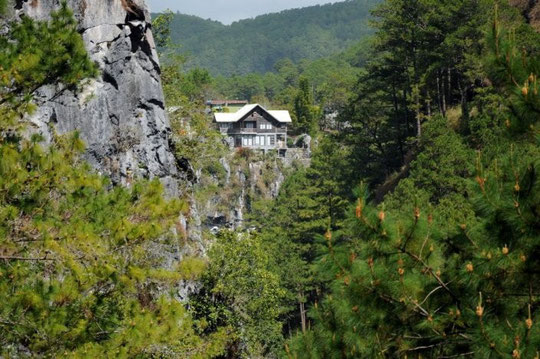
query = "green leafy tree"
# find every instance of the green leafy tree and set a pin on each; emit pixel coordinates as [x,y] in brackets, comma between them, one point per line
[310,201]
[161,29]
[241,290]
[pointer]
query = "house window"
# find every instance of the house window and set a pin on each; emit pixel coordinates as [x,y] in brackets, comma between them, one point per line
[247,141]
[256,140]
[266,126]
[271,140]
[249,124]
[261,140]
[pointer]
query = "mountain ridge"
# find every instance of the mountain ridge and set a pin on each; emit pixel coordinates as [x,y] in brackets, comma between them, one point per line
[256,44]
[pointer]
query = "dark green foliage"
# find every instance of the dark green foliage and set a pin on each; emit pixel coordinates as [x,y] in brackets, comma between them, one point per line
[255,45]
[289,228]
[241,290]
[331,80]
[399,282]
[518,73]
[310,201]
[305,113]
[425,60]
[3,6]
[441,167]
[422,279]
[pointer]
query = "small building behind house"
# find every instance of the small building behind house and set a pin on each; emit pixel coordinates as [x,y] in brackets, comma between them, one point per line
[225,105]
[252,126]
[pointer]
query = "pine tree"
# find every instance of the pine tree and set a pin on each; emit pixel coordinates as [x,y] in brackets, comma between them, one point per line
[79,272]
[401,287]
[305,112]
[28,61]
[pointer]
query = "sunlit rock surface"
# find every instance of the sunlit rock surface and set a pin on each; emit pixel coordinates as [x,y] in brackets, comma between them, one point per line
[120,115]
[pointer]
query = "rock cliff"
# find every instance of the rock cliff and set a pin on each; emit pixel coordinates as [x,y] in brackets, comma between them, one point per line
[226,197]
[530,10]
[121,114]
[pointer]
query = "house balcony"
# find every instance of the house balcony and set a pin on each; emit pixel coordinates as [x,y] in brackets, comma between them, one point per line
[240,131]
[280,145]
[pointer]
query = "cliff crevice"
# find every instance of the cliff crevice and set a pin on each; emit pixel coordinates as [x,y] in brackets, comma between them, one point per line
[121,114]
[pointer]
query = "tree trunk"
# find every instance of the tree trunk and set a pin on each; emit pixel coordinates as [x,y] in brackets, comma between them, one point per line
[302,308]
[398,123]
[449,84]
[444,95]
[440,94]
[464,106]
[406,108]
[418,114]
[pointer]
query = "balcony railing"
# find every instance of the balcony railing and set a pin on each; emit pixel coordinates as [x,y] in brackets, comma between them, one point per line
[255,130]
[245,130]
[279,145]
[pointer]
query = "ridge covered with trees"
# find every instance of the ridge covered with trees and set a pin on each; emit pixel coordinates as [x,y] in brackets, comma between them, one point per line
[255,45]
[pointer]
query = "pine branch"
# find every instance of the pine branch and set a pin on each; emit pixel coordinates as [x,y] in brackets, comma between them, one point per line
[429,295]
[11,258]
[437,278]
[458,355]
[424,347]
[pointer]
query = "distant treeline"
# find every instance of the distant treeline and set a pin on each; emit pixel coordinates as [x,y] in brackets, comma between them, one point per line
[255,45]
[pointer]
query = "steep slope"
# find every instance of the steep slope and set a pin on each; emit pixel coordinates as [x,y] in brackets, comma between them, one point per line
[120,115]
[255,45]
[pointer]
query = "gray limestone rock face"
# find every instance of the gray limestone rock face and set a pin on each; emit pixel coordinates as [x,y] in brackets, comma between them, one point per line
[121,114]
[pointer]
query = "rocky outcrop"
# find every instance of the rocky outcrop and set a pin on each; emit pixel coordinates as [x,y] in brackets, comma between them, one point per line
[530,10]
[121,114]
[239,185]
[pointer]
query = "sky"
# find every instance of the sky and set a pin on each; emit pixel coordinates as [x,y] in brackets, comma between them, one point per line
[228,11]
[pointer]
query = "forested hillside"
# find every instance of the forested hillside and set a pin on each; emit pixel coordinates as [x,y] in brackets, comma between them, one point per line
[255,45]
[413,233]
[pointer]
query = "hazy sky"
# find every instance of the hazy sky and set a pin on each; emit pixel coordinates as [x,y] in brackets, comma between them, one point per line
[228,11]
